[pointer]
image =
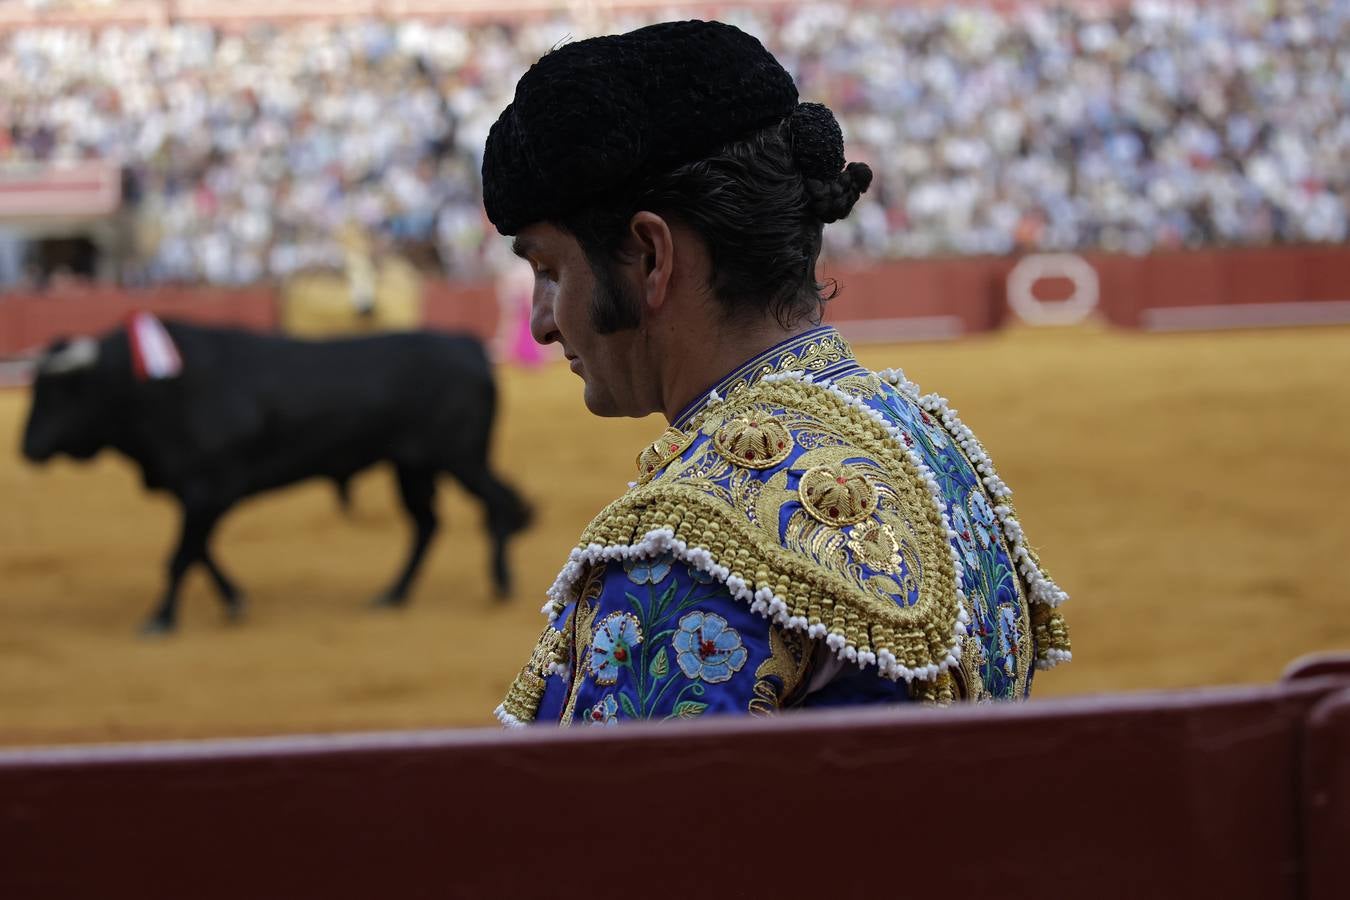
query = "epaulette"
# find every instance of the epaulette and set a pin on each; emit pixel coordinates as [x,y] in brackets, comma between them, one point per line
[809,507]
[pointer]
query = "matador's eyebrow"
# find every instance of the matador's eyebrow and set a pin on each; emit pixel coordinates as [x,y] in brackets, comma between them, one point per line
[522,247]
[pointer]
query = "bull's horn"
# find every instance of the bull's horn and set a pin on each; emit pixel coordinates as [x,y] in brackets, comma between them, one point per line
[80,353]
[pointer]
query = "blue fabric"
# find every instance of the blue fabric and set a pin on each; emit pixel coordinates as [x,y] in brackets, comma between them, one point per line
[855,686]
[661,640]
[993,599]
[665,642]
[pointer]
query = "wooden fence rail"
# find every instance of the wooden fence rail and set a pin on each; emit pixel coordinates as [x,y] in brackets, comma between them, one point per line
[1234,793]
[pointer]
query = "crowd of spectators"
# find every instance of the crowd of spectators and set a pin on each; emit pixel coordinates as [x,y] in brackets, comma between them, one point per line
[1154,124]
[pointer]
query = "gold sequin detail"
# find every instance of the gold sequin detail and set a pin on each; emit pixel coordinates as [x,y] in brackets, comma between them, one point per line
[755,441]
[874,545]
[661,451]
[837,495]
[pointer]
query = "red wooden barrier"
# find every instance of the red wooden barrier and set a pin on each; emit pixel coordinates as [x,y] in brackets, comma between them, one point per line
[1326,789]
[1319,665]
[465,307]
[1161,796]
[1165,290]
[891,300]
[29,322]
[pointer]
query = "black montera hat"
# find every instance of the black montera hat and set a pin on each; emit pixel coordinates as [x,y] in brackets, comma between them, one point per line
[595,115]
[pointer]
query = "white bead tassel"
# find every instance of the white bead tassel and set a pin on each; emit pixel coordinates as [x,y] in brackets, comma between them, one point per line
[1040,588]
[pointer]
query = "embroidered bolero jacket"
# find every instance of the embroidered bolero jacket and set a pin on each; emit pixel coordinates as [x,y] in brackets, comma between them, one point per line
[809,533]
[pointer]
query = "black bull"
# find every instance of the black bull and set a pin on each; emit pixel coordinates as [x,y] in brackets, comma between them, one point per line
[249,413]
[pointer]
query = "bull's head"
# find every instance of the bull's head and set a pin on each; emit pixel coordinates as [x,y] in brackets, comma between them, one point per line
[68,410]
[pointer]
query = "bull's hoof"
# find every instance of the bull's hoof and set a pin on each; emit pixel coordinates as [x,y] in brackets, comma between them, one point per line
[388,600]
[236,608]
[157,628]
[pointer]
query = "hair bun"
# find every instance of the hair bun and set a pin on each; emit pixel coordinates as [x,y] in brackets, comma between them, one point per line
[817,142]
[818,148]
[833,199]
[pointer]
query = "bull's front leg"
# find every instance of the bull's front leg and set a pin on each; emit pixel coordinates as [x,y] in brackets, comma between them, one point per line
[197,524]
[418,490]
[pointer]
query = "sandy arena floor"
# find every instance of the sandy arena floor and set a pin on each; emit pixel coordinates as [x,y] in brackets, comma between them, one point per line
[1186,490]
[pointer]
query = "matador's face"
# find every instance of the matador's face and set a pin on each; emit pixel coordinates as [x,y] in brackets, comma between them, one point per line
[613,366]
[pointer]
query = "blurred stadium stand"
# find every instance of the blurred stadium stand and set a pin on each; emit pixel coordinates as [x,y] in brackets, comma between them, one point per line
[1235,792]
[247,138]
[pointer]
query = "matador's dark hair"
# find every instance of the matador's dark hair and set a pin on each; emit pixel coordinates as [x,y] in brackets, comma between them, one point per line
[695,121]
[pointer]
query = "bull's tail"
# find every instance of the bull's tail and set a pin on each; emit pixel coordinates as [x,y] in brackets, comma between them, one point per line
[516,514]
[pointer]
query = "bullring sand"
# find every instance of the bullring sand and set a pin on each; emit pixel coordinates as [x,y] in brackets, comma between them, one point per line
[1189,491]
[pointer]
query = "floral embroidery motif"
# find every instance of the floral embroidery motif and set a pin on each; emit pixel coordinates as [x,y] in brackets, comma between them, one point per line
[982,518]
[914,422]
[707,649]
[837,494]
[611,648]
[961,525]
[699,576]
[605,712]
[1009,633]
[649,571]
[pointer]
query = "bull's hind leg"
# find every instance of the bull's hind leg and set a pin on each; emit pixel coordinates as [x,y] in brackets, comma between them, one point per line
[418,489]
[506,515]
[230,595]
[197,525]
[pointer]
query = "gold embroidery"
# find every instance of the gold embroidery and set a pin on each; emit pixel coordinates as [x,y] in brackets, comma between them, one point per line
[1025,642]
[704,465]
[806,354]
[816,541]
[745,493]
[582,632]
[970,673]
[522,699]
[779,676]
[813,440]
[864,387]
[827,544]
[837,495]
[821,587]
[1040,629]
[874,545]
[941,692]
[664,449]
[1051,631]
[756,441]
